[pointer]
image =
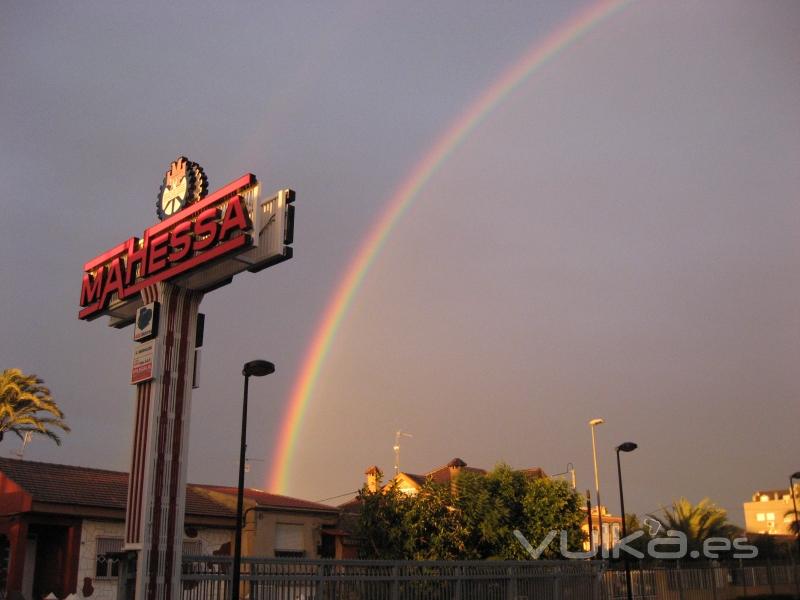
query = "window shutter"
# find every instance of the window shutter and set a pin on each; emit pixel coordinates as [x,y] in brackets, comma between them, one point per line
[106,545]
[289,537]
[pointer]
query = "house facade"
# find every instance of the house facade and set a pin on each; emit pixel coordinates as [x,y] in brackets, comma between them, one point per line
[61,525]
[771,512]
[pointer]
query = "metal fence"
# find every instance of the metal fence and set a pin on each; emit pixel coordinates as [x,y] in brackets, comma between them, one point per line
[208,578]
[710,582]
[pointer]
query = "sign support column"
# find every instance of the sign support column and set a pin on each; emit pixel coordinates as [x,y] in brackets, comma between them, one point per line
[157,481]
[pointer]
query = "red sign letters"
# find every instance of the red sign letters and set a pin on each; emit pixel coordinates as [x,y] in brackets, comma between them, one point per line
[204,231]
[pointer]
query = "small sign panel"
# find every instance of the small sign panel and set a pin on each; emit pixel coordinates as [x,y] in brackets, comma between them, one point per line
[143,361]
[146,325]
[196,369]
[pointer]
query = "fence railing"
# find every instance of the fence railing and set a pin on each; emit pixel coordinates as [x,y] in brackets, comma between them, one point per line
[710,582]
[209,577]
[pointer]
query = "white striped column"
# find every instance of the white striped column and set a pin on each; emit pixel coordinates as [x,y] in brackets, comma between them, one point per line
[157,480]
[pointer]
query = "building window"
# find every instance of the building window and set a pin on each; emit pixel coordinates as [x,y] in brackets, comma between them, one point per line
[192,547]
[770,516]
[760,517]
[289,540]
[107,567]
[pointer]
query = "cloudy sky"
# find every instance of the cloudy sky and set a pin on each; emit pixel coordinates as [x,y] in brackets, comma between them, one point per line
[618,238]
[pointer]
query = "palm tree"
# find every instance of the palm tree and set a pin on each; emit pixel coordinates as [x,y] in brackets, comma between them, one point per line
[26,405]
[697,522]
[794,525]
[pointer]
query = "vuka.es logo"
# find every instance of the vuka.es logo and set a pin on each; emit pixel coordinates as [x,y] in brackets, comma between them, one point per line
[184,183]
[674,545]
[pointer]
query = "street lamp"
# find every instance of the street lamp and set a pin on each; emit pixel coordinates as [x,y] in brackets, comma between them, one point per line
[254,368]
[592,425]
[626,447]
[792,477]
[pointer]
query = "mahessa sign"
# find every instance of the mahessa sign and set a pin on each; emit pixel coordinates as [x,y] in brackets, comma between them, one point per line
[195,230]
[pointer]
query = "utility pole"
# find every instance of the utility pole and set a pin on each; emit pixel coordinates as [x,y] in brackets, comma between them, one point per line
[400,433]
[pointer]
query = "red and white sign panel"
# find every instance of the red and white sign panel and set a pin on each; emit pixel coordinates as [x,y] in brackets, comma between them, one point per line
[143,358]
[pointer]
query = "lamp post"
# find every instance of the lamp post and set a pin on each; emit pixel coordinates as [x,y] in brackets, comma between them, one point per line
[626,447]
[792,477]
[592,424]
[255,368]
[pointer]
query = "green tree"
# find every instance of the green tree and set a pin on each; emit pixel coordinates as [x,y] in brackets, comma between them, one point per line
[552,505]
[503,500]
[475,518]
[26,404]
[493,506]
[435,528]
[381,523]
[697,522]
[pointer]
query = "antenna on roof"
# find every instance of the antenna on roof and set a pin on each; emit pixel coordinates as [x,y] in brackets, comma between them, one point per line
[400,433]
[247,462]
[26,439]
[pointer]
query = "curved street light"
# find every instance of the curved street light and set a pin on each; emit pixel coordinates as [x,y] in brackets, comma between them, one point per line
[254,368]
[625,447]
[592,424]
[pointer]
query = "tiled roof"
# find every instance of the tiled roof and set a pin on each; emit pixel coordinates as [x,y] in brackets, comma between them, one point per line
[534,472]
[67,484]
[263,498]
[418,479]
[442,475]
[82,486]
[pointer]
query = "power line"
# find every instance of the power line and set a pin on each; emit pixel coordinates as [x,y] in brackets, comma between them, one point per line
[339,496]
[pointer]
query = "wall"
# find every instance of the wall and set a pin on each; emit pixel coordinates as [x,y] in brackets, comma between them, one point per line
[106,589]
[775,506]
[266,523]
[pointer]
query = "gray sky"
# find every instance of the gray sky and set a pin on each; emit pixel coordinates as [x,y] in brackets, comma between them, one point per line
[617,239]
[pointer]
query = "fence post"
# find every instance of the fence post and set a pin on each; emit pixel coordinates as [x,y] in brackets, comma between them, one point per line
[557,584]
[319,587]
[744,578]
[395,593]
[795,576]
[770,577]
[713,574]
[641,580]
[511,584]
[680,580]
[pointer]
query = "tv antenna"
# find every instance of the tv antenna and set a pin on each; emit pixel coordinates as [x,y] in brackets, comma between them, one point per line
[26,439]
[400,433]
[248,466]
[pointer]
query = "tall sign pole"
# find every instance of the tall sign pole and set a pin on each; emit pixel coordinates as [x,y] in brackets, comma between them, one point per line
[156,283]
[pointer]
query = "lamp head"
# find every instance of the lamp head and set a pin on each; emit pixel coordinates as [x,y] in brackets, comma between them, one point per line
[795,475]
[258,368]
[594,422]
[627,447]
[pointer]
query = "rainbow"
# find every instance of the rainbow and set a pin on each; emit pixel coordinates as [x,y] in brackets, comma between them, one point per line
[536,56]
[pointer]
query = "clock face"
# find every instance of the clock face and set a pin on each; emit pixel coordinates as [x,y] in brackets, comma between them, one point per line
[174,197]
[184,183]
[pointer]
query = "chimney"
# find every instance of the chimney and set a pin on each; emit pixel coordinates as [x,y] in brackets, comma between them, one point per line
[373,478]
[454,466]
